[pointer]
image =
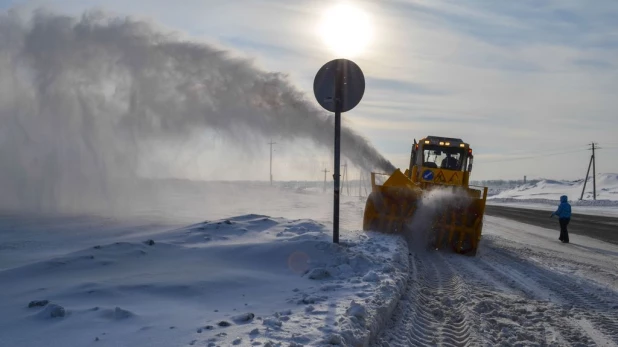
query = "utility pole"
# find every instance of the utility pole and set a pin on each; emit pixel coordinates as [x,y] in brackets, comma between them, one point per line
[360,182]
[594,171]
[325,172]
[345,178]
[594,174]
[586,180]
[361,185]
[271,143]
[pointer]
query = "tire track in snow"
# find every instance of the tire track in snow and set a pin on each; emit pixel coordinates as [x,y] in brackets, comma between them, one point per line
[459,330]
[409,326]
[486,271]
[602,275]
[508,312]
[433,311]
[601,313]
[495,299]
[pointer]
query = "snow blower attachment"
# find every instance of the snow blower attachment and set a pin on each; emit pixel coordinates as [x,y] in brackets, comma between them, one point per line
[432,198]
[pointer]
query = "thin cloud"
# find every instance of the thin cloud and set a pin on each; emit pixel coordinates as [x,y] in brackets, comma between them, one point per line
[498,74]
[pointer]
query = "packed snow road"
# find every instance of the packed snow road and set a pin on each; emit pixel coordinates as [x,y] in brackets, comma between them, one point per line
[524,288]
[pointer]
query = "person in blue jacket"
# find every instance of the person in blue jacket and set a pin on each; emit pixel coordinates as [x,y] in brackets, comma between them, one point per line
[564,217]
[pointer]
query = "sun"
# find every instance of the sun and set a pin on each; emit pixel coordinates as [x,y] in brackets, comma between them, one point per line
[346,30]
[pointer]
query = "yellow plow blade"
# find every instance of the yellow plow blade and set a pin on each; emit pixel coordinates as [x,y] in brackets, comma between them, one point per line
[390,205]
[399,206]
[459,226]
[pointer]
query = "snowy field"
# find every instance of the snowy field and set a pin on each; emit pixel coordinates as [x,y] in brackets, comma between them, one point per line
[545,195]
[607,190]
[253,265]
[246,279]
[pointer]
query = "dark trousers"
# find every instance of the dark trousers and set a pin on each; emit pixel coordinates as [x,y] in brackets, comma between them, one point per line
[564,233]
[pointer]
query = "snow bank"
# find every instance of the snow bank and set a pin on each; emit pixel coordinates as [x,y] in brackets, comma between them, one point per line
[551,190]
[248,280]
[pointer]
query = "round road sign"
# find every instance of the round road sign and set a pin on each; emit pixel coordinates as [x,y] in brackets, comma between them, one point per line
[428,175]
[339,80]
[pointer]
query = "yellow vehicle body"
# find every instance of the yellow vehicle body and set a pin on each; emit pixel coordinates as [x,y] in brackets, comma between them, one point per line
[431,203]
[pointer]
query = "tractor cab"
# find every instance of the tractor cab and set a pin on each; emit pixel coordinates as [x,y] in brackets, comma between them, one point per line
[441,160]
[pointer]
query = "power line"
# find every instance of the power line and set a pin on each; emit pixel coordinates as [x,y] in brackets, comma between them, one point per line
[574,150]
[533,156]
[544,151]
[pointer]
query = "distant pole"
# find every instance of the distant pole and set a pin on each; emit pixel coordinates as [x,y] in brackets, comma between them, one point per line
[342,179]
[345,178]
[360,182]
[364,185]
[594,146]
[586,180]
[594,175]
[271,143]
[325,172]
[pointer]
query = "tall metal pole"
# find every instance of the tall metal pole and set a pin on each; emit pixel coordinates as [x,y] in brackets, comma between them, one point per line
[338,87]
[594,175]
[338,106]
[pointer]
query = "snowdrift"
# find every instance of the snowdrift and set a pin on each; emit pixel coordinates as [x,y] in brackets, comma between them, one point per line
[551,190]
[246,280]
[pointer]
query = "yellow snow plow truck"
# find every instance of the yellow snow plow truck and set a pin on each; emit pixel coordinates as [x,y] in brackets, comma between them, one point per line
[432,201]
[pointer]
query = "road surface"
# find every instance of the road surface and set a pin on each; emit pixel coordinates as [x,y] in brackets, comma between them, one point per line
[598,227]
[524,287]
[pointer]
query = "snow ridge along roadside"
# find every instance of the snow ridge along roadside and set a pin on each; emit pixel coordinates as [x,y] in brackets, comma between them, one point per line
[251,279]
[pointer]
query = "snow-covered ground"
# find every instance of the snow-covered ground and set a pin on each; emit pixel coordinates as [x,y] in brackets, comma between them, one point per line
[263,271]
[545,195]
[242,280]
[607,190]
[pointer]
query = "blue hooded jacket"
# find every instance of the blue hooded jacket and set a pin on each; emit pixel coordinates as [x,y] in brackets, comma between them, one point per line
[564,209]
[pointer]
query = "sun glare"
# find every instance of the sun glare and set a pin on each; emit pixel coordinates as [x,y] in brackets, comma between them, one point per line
[346,30]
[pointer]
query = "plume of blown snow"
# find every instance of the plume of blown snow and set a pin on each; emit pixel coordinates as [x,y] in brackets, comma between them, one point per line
[84,103]
[433,202]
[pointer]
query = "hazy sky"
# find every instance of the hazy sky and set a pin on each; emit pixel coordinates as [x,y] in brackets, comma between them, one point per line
[524,82]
